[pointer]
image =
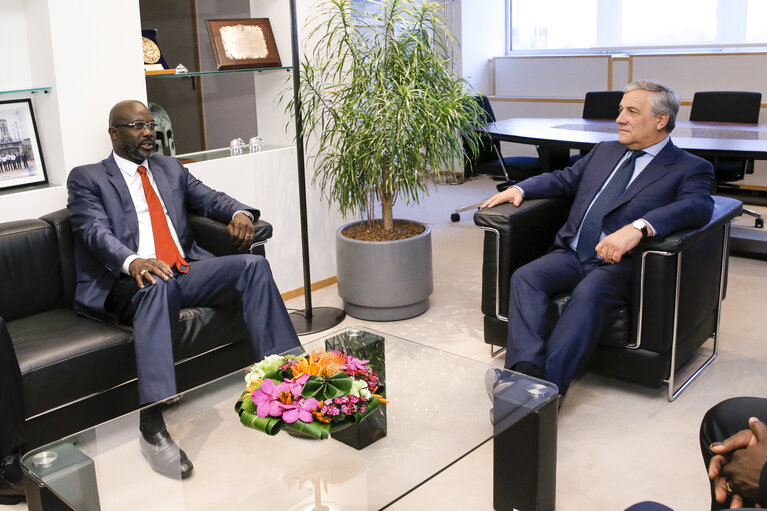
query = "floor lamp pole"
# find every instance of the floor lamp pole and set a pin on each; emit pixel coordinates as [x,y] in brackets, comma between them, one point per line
[311,319]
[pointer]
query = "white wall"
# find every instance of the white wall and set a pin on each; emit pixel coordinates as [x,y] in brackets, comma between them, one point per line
[475,24]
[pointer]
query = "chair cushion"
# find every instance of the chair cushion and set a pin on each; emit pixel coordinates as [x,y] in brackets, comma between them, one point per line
[64,357]
[617,336]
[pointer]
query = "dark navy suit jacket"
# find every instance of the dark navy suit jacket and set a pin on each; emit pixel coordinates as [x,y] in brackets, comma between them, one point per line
[105,224]
[673,192]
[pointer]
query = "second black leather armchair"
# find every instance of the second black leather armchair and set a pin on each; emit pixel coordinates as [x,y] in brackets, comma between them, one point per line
[678,286]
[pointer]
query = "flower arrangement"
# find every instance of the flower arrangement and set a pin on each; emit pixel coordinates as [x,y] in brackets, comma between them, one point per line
[309,394]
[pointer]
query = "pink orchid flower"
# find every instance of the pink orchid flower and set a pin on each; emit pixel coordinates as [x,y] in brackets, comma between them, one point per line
[300,410]
[267,399]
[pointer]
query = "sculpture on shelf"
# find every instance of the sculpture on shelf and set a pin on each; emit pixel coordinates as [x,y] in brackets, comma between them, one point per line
[164,143]
[236,145]
[255,143]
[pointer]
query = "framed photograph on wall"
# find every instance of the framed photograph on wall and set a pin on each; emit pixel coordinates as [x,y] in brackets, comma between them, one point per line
[243,43]
[21,160]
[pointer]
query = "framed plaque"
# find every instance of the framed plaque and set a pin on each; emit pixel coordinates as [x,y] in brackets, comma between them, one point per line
[243,43]
[21,160]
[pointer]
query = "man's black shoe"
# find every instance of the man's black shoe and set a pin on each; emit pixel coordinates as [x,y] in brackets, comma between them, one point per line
[165,456]
[11,493]
[529,369]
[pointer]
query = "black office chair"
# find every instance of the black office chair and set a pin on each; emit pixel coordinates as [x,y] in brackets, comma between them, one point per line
[490,161]
[729,106]
[600,105]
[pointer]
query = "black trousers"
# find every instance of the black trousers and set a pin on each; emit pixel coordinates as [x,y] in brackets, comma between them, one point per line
[724,420]
[11,396]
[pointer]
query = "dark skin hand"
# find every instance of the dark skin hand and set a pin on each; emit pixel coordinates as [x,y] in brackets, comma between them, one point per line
[241,231]
[747,453]
[144,269]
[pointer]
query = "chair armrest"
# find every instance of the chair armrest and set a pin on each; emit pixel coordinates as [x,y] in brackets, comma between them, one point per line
[212,236]
[725,209]
[684,272]
[514,237]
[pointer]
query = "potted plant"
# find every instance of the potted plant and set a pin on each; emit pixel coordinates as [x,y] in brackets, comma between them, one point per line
[387,115]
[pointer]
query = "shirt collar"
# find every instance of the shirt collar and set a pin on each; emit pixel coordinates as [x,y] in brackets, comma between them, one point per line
[654,149]
[127,166]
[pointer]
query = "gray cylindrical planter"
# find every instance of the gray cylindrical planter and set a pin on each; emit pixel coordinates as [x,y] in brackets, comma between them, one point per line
[384,280]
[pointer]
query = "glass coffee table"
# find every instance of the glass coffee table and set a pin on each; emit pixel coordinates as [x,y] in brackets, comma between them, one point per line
[438,412]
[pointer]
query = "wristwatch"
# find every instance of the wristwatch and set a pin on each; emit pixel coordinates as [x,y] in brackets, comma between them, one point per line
[641,226]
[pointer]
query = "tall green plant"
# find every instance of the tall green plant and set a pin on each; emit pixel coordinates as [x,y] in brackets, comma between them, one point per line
[379,96]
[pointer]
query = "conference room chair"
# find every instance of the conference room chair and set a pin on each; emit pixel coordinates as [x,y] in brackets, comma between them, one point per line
[678,286]
[729,106]
[599,105]
[490,161]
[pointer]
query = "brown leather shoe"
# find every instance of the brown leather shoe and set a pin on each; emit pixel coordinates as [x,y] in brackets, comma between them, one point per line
[11,493]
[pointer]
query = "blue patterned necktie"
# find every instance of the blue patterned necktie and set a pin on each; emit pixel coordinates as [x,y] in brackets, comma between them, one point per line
[591,229]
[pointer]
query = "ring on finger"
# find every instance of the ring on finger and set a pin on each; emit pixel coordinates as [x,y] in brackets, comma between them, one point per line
[729,488]
[144,271]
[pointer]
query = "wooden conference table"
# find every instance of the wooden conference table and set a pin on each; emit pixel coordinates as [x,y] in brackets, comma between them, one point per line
[556,136]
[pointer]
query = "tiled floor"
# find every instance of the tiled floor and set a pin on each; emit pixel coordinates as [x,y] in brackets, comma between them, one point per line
[618,443]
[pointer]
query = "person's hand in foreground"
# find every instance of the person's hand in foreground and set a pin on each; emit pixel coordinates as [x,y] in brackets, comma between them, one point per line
[747,453]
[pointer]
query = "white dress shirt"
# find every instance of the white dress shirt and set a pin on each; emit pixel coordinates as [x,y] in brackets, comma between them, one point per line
[146,250]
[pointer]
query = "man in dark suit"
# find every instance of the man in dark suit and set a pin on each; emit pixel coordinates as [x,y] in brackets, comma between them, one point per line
[640,186]
[137,263]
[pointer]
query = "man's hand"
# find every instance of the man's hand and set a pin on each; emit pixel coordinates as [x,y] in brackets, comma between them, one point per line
[744,468]
[510,194]
[141,269]
[241,231]
[613,247]
[739,440]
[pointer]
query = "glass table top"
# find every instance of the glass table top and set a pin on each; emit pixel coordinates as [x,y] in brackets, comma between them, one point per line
[438,412]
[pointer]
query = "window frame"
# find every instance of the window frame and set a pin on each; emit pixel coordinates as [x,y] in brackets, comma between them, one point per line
[731,20]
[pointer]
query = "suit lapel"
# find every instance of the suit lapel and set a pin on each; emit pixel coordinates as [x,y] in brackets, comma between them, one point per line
[655,170]
[118,181]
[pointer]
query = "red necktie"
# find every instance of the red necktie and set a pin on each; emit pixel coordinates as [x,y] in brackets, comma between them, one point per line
[164,246]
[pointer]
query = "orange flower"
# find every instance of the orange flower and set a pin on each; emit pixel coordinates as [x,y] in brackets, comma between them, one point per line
[325,363]
[332,362]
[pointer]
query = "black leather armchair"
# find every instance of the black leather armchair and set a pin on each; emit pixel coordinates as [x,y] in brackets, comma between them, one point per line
[678,286]
[76,371]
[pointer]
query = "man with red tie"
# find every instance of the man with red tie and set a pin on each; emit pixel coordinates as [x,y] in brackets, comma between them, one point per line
[137,263]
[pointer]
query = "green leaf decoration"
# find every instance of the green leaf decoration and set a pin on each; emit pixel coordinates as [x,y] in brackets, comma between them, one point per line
[275,375]
[313,429]
[248,405]
[246,410]
[324,388]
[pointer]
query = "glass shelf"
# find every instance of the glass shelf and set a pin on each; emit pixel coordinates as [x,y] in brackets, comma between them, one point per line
[227,71]
[215,154]
[33,90]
